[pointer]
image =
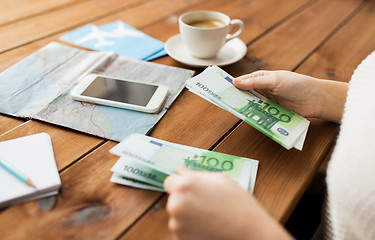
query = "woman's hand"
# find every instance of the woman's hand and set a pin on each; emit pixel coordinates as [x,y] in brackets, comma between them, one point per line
[207,205]
[307,96]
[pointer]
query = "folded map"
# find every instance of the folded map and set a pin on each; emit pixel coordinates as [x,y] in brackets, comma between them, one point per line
[39,87]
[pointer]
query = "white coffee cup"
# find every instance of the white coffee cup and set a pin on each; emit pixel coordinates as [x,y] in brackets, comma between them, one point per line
[206,41]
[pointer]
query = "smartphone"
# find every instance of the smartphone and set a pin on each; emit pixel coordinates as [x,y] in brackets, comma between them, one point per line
[122,93]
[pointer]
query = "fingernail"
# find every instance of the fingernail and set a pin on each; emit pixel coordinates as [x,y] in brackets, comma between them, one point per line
[182,168]
[240,79]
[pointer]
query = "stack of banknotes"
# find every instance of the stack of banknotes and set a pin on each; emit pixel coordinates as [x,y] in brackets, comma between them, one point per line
[145,162]
[280,124]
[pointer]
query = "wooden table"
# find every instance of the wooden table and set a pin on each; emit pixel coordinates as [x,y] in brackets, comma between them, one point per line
[322,38]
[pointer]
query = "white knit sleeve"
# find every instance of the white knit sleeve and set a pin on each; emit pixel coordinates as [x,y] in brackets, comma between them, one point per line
[351,172]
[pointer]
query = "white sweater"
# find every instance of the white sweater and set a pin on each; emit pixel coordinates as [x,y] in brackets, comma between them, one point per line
[350,206]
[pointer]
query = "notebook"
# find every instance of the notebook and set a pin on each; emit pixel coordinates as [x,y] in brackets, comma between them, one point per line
[33,155]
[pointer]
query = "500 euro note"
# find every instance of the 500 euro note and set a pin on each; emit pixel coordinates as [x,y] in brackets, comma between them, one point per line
[280,124]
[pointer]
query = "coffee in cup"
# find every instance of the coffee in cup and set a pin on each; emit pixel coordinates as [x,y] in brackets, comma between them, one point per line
[205,32]
[206,23]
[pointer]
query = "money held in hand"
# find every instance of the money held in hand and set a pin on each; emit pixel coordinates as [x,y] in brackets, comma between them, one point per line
[280,124]
[145,162]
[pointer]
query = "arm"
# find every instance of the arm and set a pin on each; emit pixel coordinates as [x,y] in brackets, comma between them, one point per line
[307,96]
[207,205]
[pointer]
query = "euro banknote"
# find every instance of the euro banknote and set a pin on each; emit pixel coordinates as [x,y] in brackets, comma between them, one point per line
[120,179]
[134,169]
[151,160]
[280,124]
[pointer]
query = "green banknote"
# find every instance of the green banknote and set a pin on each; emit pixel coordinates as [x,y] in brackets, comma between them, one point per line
[282,125]
[120,179]
[127,167]
[165,157]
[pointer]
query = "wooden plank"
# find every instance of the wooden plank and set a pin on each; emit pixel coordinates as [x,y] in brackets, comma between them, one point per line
[150,12]
[73,210]
[159,29]
[68,145]
[154,221]
[11,57]
[223,121]
[321,134]
[278,50]
[52,22]
[167,27]
[87,207]
[277,196]
[194,122]
[266,52]
[257,15]
[7,123]
[74,16]
[21,9]
[317,149]
[186,109]
[268,180]
[280,196]
[18,54]
[77,174]
[338,57]
[196,107]
[180,107]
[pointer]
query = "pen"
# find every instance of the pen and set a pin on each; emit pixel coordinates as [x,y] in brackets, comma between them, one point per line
[17,173]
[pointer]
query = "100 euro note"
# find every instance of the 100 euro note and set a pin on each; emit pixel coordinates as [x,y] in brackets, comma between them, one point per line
[136,170]
[121,179]
[151,160]
[280,124]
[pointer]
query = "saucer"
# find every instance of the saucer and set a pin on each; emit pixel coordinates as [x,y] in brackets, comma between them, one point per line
[231,52]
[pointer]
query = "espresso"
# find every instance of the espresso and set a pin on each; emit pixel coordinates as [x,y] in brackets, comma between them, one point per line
[207,23]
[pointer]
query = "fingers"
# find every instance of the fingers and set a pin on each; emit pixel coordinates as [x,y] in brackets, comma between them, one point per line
[257,80]
[182,170]
[176,207]
[173,224]
[178,182]
[171,183]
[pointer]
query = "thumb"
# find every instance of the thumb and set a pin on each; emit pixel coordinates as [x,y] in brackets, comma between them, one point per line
[172,182]
[187,172]
[183,170]
[255,80]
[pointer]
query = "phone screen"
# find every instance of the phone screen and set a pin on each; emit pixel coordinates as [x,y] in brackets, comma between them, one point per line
[121,91]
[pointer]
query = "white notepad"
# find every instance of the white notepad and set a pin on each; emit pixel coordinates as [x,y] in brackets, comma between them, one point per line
[33,155]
